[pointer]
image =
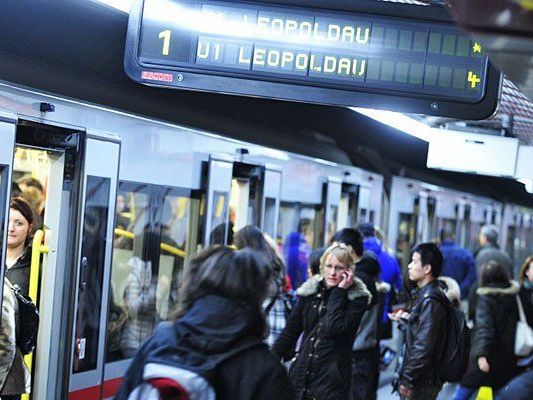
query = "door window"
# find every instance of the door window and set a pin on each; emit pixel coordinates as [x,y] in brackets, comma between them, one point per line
[91,273]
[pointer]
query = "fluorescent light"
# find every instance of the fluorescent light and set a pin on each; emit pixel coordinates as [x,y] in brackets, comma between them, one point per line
[399,121]
[122,5]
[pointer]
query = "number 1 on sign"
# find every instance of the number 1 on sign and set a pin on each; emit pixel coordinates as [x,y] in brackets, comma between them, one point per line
[165,35]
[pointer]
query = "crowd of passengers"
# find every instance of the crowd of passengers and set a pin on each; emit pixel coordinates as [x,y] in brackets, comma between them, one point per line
[256,322]
[240,333]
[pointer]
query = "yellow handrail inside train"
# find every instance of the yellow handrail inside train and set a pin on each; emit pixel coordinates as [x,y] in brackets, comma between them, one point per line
[164,246]
[36,250]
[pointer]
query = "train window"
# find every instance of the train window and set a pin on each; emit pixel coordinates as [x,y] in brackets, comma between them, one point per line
[179,217]
[91,272]
[332,223]
[132,223]
[307,224]
[270,216]
[406,237]
[221,233]
[371,216]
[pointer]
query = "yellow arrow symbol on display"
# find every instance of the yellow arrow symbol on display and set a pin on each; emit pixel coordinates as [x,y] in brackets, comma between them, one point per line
[477,48]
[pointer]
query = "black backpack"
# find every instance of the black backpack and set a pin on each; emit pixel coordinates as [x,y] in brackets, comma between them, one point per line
[456,353]
[28,322]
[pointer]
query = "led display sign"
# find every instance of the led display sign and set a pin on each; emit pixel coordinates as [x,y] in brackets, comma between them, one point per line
[310,55]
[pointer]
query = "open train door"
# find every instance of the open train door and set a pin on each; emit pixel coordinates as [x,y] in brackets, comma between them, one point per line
[94,248]
[219,175]
[7,138]
[332,196]
[271,200]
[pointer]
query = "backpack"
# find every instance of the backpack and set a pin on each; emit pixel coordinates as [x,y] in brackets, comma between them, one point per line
[162,382]
[27,322]
[456,352]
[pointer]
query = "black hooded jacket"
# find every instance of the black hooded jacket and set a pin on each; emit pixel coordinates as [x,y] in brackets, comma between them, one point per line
[328,319]
[494,336]
[424,346]
[19,273]
[219,336]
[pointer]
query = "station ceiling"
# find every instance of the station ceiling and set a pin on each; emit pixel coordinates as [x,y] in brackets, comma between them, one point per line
[75,48]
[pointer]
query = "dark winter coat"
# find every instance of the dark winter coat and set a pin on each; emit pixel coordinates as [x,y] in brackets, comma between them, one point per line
[328,319]
[494,336]
[19,273]
[526,296]
[391,273]
[520,388]
[222,337]
[458,264]
[423,337]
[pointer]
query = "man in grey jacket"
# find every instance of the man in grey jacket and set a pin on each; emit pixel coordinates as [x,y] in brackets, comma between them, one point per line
[488,239]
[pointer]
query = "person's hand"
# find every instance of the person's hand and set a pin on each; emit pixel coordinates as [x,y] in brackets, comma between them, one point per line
[483,364]
[405,391]
[399,315]
[347,279]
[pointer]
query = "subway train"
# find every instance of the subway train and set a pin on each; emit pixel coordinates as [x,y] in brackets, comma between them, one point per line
[137,180]
[123,190]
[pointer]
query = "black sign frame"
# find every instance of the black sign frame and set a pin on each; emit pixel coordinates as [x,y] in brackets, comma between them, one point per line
[235,84]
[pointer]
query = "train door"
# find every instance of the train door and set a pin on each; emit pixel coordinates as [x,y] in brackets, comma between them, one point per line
[246,197]
[7,133]
[363,213]
[219,175]
[42,169]
[347,216]
[332,196]
[271,200]
[235,197]
[99,179]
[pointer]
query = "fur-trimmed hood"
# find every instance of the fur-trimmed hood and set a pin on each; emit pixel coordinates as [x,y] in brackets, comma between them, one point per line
[511,290]
[452,289]
[383,287]
[312,285]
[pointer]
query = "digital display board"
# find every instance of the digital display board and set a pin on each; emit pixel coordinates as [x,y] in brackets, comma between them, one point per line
[313,55]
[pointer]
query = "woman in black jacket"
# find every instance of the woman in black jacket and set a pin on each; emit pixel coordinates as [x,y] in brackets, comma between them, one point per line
[328,314]
[18,257]
[526,288]
[493,362]
[215,347]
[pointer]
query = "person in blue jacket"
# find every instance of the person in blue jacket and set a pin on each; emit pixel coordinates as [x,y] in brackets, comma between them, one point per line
[459,263]
[390,273]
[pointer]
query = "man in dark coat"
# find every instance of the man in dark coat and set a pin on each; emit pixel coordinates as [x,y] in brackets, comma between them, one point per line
[424,326]
[459,264]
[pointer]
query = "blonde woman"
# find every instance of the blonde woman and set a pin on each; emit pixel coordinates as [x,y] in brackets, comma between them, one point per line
[328,314]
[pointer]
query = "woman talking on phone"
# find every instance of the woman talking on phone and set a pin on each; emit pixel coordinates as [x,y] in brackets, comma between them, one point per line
[328,314]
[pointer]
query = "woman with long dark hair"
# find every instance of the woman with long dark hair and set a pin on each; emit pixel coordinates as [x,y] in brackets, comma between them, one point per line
[526,288]
[277,305]
[328,315]
[216,337]
[492,358]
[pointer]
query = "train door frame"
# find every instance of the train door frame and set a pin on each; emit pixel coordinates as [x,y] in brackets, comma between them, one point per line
[95,175]
[8,126]
[332,198]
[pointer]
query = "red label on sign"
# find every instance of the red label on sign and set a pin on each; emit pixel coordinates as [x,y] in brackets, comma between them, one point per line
[157,76]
